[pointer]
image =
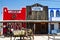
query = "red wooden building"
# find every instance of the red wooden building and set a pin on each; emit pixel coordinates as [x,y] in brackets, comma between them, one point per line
[14,15]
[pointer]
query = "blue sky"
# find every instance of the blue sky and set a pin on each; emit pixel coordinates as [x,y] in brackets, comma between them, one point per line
[17,4]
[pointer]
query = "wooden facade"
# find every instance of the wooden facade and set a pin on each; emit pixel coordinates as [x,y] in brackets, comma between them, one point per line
[37,15]
[40,28]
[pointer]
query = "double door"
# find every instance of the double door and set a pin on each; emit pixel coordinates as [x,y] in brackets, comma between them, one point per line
[41,28]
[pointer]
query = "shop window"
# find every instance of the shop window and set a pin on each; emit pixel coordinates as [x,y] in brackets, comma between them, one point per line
[57,13]
[51,13]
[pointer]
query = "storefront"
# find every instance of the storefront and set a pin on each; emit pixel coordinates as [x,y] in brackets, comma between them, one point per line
[39,27]
[54,15]
[13,15]
[37,12]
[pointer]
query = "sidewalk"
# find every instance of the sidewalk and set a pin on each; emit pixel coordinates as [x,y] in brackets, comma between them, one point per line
[35,38]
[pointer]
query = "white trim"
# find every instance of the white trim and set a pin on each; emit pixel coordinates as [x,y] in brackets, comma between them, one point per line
[54,13]
[23,20]
[55,18]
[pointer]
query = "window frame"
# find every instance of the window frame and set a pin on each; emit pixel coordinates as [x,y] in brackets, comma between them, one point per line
[57,13]
[51,13]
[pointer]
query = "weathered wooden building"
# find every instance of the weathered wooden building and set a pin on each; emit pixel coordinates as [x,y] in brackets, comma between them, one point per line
[37,12]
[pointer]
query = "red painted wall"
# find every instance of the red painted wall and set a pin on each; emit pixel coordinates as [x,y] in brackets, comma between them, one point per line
[8,14]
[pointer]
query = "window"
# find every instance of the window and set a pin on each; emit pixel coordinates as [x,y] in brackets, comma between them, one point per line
[51,13]
[59,25]
[34,15]
[52,26]
[59,28]
[57,13]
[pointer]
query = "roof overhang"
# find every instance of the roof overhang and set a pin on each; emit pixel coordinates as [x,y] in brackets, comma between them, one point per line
[1,21]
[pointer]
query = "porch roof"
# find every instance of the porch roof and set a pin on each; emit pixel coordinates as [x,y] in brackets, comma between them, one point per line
[29,21]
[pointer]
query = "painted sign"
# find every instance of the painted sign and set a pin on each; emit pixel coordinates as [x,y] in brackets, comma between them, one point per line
[37,9]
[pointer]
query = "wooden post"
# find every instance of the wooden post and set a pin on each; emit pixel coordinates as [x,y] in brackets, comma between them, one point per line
[34,27]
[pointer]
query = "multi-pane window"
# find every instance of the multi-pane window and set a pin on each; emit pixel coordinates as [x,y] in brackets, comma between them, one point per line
[57,13]
[37,15]
[51,13]
[34,15]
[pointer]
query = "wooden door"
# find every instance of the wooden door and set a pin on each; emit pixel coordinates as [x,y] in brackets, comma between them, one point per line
[41,28]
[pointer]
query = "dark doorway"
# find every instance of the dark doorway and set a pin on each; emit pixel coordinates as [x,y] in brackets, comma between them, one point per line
[41,28]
